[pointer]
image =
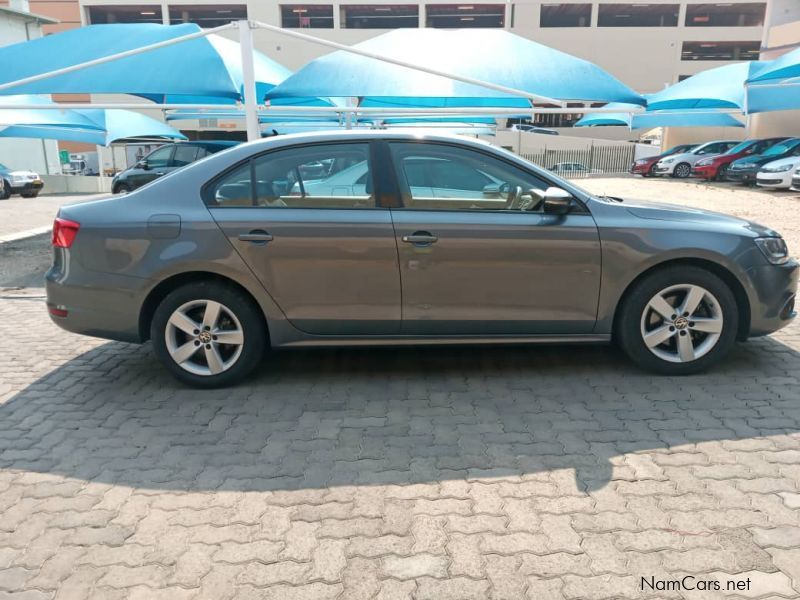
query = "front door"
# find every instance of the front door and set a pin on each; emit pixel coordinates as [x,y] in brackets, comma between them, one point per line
[479,257]
[305,220]
[157,163]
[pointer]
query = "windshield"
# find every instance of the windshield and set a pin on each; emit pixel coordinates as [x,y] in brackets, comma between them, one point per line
[3,167]
[781,148]
[740,147]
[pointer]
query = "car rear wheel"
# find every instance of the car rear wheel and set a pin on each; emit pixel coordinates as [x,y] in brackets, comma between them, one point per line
[722,173]
[682,170]
[29,194]
[678,321]
[208,334]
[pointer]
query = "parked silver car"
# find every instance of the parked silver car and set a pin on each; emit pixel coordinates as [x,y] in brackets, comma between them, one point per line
[244,250]
[680,165]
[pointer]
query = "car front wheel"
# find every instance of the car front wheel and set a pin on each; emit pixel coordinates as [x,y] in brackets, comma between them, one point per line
[208,334]
[678,321]
[682,171]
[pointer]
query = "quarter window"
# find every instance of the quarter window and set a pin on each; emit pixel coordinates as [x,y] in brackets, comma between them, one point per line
[184,155]
[318,176]
[442,177]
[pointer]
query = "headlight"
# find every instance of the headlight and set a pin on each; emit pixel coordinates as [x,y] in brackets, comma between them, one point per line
[641,162]
[666,161]
[774,249]
[782,169]
[704,163]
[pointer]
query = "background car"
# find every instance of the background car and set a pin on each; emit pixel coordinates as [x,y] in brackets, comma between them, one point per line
[573,168]
[680,165]
[163,160]
[778,174]
[745,170]
[26,183]
[533,129]
[219,262]
[644,166]
[715,167]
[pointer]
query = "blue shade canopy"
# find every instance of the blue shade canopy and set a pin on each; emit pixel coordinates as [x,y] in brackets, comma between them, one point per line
[683,118]
[783,67]
[202,68]
[97,126]
[494,56]
[761,98]
[34,117]
[722,87]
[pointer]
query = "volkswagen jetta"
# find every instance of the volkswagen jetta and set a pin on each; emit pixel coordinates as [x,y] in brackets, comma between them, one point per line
[446,240]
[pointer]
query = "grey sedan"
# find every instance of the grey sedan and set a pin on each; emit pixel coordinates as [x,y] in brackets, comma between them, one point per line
[247,250]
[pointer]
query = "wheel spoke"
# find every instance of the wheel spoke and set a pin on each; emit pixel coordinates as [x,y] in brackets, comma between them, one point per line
[185,352]
[233,337]
[211,315]
[685,348]
[693,298]
[707,325]
[658,336]
[184,323]
[662,307]
[214,359]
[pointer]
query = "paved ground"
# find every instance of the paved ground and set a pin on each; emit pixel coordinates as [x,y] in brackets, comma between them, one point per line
[430,474]
[34,214]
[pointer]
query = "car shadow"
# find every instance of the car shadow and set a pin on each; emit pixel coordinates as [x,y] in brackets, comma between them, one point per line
[324,418]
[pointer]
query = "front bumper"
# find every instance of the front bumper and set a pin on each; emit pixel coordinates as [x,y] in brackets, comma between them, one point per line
[642,169]
[773,306]
[796,182]
[775,180]
[705,172]
[27,187]
[662,169]
[741,176]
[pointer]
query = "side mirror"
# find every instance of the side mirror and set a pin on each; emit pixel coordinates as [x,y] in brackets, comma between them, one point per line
[557,201]
[491,189]
[142,164]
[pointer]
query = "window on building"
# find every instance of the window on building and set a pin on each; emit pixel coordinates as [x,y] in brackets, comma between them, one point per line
[637,15]
[565,15]
[379,16]
[750,14]
[720,50]
[124,14]
[207,16]
[463,16]
[307,16]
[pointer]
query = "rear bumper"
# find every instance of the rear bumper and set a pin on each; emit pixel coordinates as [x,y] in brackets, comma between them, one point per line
[773,307]
[96,304]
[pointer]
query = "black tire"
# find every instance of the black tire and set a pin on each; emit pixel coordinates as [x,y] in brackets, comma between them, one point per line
[122,188]
[5,192]
[722,173]
[631,315]
[237,303]
[682,170]
[29,195]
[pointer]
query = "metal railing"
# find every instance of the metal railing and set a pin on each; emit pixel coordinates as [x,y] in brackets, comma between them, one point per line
[583,162]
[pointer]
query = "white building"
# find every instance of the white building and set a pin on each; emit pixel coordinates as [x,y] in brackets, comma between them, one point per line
[18,24]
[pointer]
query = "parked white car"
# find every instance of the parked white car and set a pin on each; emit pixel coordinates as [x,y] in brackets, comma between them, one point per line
[778,173]
[680,165]
[796,180]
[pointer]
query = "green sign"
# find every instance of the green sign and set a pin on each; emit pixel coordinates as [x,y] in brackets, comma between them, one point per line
[63,157]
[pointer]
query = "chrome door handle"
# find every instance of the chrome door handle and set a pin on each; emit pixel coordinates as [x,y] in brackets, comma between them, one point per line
[256,236]
[423,238]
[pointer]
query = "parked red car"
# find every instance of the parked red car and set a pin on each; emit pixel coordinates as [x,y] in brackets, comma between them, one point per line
[644,166]
[714,167]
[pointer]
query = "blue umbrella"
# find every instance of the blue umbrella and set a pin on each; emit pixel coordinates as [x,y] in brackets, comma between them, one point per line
[201,69]
[494,56]
[649,120]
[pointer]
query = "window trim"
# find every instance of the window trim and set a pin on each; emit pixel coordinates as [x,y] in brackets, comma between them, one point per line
[402,188]
[206,191]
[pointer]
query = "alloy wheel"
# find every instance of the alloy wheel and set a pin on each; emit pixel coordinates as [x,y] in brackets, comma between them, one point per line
[683,170]
[204,337]
[682,323]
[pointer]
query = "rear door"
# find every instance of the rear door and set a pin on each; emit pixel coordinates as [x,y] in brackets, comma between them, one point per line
[325,253]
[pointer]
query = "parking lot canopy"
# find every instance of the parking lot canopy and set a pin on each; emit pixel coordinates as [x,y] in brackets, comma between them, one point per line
[649,120]
[205,67]
[494,56]
[722,87]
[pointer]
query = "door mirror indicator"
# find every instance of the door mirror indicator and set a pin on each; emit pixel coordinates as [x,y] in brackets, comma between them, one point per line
[557,201]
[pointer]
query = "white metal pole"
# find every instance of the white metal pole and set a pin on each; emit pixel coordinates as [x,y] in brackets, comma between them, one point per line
[249,81]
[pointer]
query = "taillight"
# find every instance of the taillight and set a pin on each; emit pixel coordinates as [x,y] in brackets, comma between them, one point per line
[64,232]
